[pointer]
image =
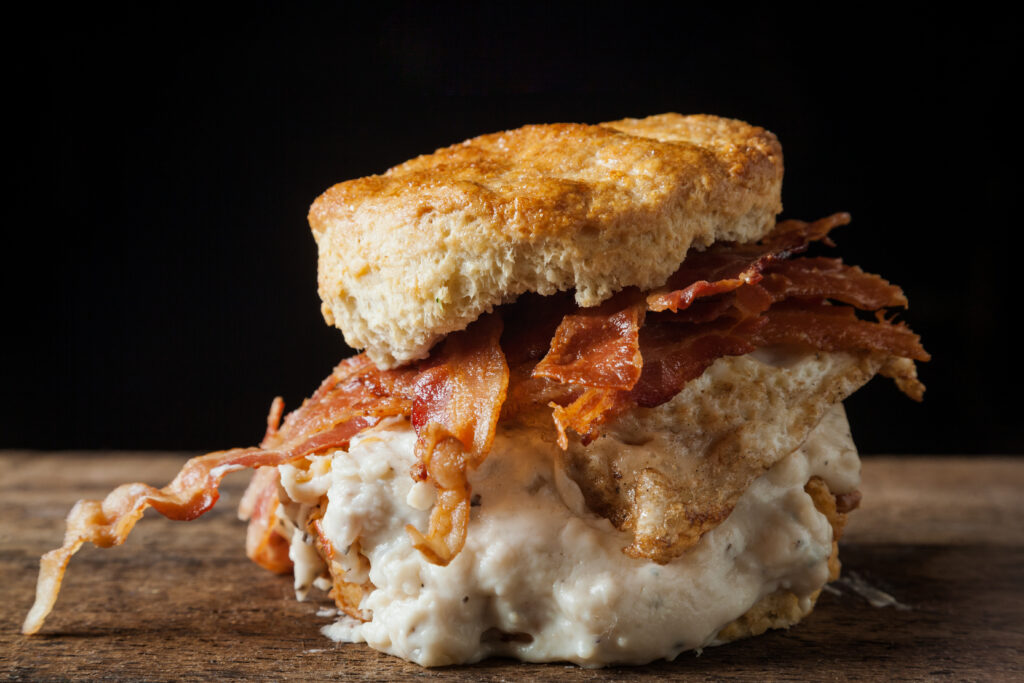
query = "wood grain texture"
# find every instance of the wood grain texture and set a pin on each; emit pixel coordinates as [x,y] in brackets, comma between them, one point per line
[944,536]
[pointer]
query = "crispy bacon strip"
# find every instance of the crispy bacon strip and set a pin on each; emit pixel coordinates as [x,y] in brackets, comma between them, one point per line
[458,399]
[107,523]
[356,388]
[829,278]
[673,355]
[677,354]
[678,347]
[530,323]
[811,279]
[745,302]
[600,346]
[340,408]
[837,328]
[792,236]
[731,272]
[724,267]
[343,406]
[718,295]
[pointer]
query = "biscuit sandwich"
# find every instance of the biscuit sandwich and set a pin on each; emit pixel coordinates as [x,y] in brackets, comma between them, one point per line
[597,416]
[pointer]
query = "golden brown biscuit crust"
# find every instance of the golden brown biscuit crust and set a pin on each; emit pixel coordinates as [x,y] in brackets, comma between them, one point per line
[423,249]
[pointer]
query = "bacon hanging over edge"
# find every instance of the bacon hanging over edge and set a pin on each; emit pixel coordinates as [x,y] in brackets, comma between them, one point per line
[455,413]
[337,410]
[703,320]
[828,278]
[724,267]
[356,388]
[107,523]
[678,352]
[837,328]
[194,490]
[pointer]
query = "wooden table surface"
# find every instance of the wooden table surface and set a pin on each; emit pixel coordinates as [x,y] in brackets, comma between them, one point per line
[943,536]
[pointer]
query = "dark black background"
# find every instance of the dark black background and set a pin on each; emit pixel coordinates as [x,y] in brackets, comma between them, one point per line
[159,273]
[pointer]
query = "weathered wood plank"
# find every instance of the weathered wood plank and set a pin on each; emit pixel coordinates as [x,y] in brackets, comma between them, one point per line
[181,601]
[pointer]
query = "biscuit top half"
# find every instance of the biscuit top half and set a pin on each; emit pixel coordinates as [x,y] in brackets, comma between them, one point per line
[425,248]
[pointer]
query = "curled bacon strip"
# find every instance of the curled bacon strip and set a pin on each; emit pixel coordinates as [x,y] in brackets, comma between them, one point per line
[107,523]
[343,406]
[455,413]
